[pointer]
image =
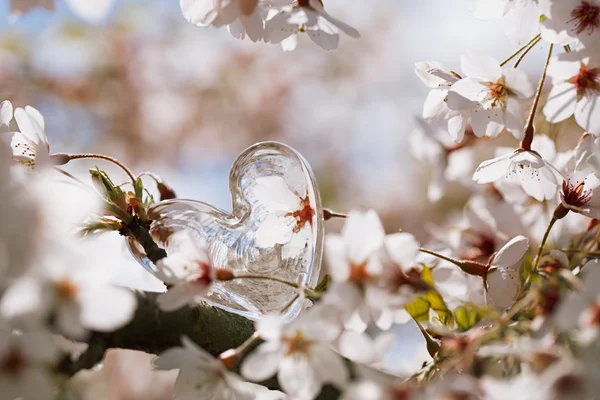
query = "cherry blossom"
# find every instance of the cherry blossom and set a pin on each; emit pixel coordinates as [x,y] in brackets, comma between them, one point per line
[537,176]
[297,352]
[189,275]
[124,374]
[580,193]
[201,376]
[576,89]
[503,280]
[306,16]
[290,218]
[520,18]
[243,17]
[435,108]
[30,145]
[498,93]
[79,297]
[24,361]
[569,20]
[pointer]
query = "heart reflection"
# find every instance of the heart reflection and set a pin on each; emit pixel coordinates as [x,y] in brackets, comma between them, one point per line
[275,229]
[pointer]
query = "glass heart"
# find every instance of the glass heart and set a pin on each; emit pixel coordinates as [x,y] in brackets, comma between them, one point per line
[275,229]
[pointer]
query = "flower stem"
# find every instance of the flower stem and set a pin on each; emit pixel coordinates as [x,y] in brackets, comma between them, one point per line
[443,257]
[529,131]
[527,50]
[101,157]
[538,256]
[329,214]
[516,53]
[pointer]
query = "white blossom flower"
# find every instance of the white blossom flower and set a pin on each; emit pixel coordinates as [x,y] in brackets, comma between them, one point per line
[503,280]
[201,376]
[80,297]
[580,193]
[243,17]
[520,18]
[581,308]
[435,108]
[124,374]
[297,352]
[576,89]
[290,215]
[306,16]
[24,361]
[566,21]
[30,145]
[190,275]
[498,92]
[537,176]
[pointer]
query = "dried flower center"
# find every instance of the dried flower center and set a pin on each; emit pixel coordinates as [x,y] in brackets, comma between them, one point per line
[13,362]
[574,194]
[297,343]
[359,273]
[202,272]
[303,215]
[586,18]
[66,290]
[587,81]
[496,93]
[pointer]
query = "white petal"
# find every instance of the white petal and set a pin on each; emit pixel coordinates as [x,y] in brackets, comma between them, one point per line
[29,126]
[561,102]
[512,252]
[298,378]
[518,82]
[329,366]
[363,234]
[403,249]
[6,113]
[270,327]
[278,28]
[198,12]
[481,66]
[435,106]
[337,261]
[253,25]
[356,346]
[487,122]
[503,286]
[587,114]
[457,126]
[326,41]
[492,170]
[347,29]
[463,93]
[174,299]
[263,362]
[107,308]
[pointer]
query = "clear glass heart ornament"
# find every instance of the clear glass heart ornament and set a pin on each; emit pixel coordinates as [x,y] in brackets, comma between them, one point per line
[275,229]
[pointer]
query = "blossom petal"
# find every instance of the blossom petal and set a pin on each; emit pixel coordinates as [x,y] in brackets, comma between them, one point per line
[6,113]
[263,362]
[298,378]
[492,170]
[512,252]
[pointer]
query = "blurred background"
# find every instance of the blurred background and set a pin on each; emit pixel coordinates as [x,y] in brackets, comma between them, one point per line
[160,94]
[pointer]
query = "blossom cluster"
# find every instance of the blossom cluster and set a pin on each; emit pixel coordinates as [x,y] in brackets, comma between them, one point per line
[505,296]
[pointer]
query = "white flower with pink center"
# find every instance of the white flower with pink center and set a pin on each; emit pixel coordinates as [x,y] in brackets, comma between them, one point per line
[30,146]
[310,17]
[576,89]
[566,21]
[493,94]
[435,108]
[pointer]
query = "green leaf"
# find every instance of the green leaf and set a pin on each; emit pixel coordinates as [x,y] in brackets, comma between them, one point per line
[466,317]
[139,188]
[436,302]
[419,309]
